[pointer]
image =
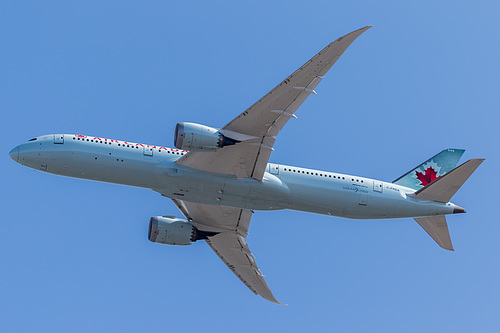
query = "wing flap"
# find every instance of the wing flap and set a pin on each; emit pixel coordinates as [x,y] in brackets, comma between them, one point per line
[215,218]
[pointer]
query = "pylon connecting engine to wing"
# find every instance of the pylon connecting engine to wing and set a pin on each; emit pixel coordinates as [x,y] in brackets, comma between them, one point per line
[196,137]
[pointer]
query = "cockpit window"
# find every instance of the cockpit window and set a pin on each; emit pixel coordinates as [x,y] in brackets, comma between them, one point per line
[34,139]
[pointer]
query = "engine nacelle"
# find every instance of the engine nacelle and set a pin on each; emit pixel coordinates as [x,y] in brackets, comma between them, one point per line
[173,231]
[196,137]
[170,230]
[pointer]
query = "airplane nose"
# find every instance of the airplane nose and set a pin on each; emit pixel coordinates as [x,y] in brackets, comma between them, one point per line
[14,154]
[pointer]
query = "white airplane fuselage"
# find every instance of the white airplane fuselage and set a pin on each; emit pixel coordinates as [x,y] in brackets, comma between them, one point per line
[283,187]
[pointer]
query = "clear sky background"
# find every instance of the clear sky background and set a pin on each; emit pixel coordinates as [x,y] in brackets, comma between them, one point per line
[74,254]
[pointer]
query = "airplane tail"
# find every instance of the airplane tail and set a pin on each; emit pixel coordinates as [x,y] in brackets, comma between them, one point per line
[443,189]
[435,167]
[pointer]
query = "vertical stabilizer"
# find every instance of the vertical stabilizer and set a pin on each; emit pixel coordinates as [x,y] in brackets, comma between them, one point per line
[437,228]
[431,169]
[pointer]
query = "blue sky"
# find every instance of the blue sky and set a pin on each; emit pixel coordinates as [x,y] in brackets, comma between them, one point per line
[74,254]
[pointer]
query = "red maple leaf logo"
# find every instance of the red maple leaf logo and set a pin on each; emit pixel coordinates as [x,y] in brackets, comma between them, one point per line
[428,176]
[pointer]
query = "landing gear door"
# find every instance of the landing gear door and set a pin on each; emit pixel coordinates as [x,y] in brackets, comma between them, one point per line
[148,150]
[378,186]
[274,169]
[59,138]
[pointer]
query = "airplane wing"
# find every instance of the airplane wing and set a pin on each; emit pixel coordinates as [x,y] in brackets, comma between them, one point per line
[258,126]
[231,225]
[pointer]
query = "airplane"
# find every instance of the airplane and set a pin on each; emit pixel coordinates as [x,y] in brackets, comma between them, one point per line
[218,177]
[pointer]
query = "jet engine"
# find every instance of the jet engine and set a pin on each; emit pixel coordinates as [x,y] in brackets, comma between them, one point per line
[196,137]
[173,231]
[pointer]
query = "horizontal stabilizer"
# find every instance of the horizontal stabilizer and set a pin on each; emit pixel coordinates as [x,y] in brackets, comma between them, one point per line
[445,187]
[437,228]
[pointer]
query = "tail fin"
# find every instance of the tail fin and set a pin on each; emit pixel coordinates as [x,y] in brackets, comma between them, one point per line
[433,168]
[442,190]
[445,187]
[437,228]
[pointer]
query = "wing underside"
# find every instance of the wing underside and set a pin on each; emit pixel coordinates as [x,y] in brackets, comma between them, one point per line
[231,226]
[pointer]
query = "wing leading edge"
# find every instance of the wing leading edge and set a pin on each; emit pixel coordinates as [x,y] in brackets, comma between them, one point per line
[230,242]
[258,126]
